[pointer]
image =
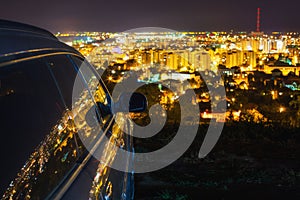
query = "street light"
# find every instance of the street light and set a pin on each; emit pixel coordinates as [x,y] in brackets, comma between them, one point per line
[281,109]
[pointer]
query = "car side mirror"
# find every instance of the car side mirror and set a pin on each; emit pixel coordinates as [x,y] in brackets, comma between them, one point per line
[136,102]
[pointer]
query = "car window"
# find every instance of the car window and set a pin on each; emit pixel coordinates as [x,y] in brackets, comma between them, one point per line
[41,89]
[97,89]
[50,140]
[32,111]
[64,74]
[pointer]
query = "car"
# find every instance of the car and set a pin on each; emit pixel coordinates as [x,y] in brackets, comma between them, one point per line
[46,123]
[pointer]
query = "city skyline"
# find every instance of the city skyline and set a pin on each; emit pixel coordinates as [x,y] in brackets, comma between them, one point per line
[96,15]
[149,113]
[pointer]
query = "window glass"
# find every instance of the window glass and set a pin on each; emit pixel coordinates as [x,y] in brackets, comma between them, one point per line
[32,110]
[64,73]
[96,89]
[37,120]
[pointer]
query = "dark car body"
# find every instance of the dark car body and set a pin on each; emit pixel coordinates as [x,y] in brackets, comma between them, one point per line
[42,154]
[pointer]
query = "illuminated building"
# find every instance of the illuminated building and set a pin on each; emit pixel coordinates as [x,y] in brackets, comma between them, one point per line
[234,58]
[205,61]
[284,68]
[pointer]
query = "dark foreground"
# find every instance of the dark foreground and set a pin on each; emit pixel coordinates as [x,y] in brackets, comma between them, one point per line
[250,161]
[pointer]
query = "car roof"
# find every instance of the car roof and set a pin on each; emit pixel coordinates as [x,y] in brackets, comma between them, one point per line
[20,27]
[18,38]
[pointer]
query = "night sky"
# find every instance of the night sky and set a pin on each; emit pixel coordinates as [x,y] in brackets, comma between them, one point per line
[186,15]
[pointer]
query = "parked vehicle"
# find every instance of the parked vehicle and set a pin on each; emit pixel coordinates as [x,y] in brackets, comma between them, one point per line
[43,154]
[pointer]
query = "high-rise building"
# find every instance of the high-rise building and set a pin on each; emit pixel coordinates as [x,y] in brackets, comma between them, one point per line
[251,59]
[205,61]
